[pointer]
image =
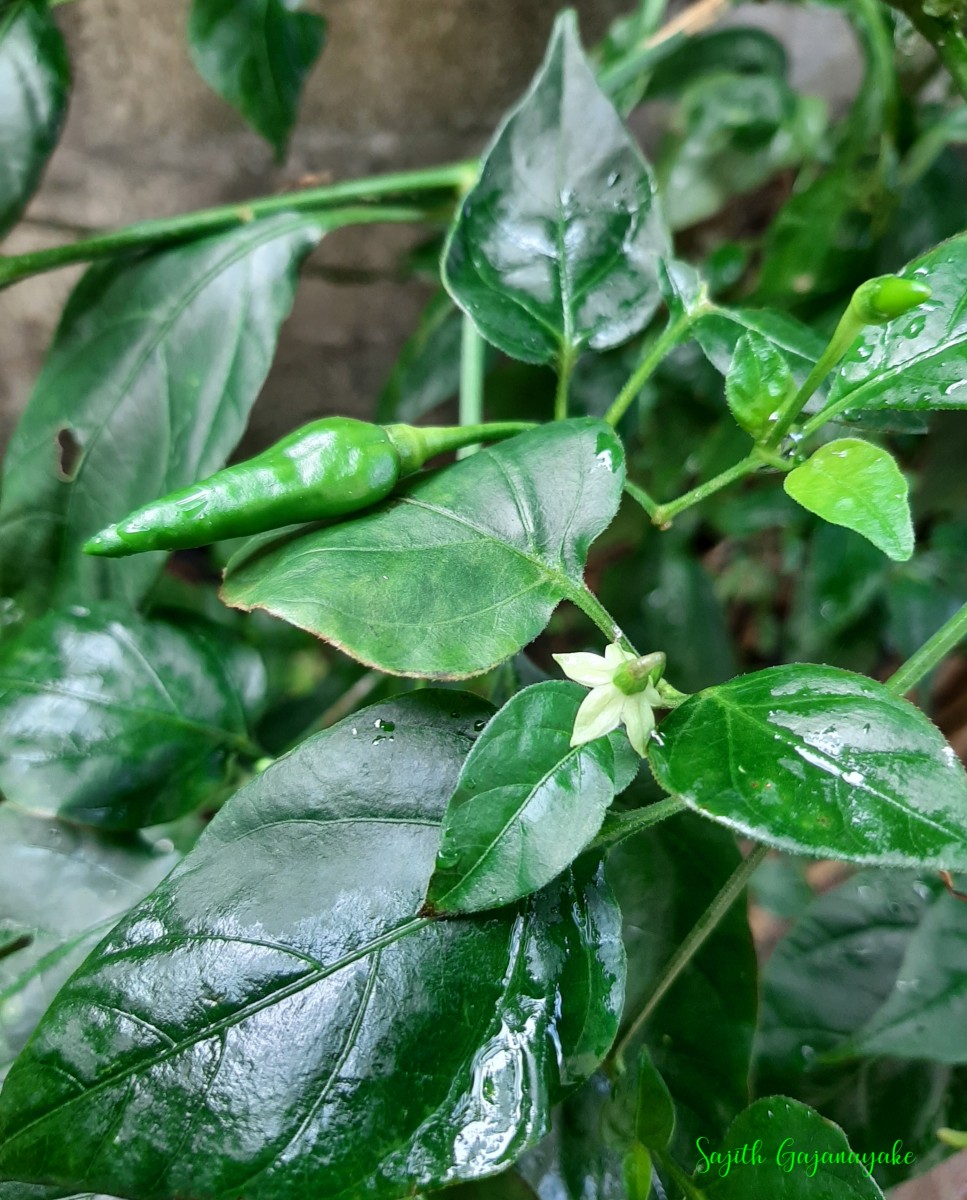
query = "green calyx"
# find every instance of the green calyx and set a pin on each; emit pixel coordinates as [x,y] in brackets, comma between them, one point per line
[886,297]
[635,676]
[416,445]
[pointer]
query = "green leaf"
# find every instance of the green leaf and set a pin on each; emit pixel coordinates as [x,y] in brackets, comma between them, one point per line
[818,761]
[758,382]
[34,84]
[556,248]
[461,568]
[790,1153]
[427,372]
[147,387]
[256,54]
[526,803]
[853,483]
[730,135]
[833,970]
[268,1001]
[741,50]
[508,1186]
[719,330]
[654,1110]
[919,361]
[921,1016]
[700,1035]
[64,889]
[113,720]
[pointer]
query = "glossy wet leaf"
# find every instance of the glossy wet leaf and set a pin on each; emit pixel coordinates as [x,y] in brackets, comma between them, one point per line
[700,1035]
[758,382]
[783,1125]
[918,361]
[526,804]
[34,84]
[818,761]
[256,54]
[922,1014]
[461,568]
[856,484]
[556,247]
[147,387]
[63,888]
[285,952]
[113,720]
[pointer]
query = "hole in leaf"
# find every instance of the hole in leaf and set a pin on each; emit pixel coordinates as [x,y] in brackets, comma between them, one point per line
[68,454]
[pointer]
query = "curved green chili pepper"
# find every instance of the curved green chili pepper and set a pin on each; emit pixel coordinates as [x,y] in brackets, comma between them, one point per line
[326,469]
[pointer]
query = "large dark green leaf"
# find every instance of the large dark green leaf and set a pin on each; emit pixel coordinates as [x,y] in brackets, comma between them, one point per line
[460,569]
[291,1024]
[818,761]
[62,889]
[256,54]
[526,804]
[110,719]
[147,387]
[923,1014]
[557,245]
[34,84]
[785,1151]
[918,361]
[700,1035]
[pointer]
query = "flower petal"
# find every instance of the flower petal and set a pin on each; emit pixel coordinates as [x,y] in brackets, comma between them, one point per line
[600,712]
[614,656]
[639,721]
[587,669]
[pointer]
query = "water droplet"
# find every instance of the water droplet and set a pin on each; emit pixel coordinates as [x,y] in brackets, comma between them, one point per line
[478,725]
[388,726]
[613,178]
[447,858]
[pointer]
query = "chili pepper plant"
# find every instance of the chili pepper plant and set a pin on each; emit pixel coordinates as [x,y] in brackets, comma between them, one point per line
[379,821]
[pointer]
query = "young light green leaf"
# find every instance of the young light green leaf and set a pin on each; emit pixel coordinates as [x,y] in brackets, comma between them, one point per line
[147,387]
[526,804]
[64,889]
[654,1109]
[461,568]
[919,361]
[286,950]
[109,719]
[784,1149]
[818,761]
[758,382]
[556,247]
[34,84]
[256,54]
[853,483]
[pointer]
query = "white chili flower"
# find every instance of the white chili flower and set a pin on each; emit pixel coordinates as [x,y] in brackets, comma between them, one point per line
[622,692]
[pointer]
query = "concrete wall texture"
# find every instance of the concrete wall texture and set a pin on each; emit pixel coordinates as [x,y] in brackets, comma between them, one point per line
[402,83]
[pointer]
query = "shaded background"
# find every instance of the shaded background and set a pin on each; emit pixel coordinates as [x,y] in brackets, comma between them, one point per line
[401,83]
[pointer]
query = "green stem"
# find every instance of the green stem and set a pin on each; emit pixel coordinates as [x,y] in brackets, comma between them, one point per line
[417,444]
[946,37]
[618,826]
[447,180]
[731,890]
[565,367]
[930,654]
[669,339]
[665,513]
[689,1190]
[639,494]
[591,606]
[471,379]
[845,333]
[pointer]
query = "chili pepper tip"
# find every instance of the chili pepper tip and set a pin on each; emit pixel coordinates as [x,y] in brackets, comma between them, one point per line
[107,544]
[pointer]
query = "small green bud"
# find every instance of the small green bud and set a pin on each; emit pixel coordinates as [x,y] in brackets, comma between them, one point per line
[887,296]
[638,674]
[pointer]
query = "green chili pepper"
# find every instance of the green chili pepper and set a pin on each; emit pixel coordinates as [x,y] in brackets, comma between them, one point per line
[326,469]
